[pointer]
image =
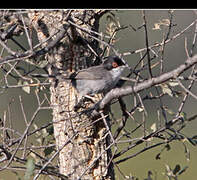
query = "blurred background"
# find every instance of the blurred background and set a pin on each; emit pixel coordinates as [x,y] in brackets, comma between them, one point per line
[128,40]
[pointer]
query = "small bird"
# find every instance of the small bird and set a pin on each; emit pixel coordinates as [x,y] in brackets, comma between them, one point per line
[98,79]
[95,79]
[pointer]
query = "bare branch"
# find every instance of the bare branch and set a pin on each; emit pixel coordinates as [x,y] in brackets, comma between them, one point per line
[75,145]
[120,92]
[147,44]
[186,90]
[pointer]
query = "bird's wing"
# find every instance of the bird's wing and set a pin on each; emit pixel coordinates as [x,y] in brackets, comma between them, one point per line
[89,74]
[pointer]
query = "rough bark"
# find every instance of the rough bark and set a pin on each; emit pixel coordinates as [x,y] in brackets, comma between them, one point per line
[85,155]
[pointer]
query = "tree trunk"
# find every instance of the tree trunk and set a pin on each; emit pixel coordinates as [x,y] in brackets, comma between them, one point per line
[82,141]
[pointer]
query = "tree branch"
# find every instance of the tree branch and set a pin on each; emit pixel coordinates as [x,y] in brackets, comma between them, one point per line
[119,92]
[147,46]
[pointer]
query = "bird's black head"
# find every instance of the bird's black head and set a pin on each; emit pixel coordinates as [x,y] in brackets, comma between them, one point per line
[113,62]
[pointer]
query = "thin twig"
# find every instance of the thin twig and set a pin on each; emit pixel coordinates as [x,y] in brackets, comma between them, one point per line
[186,90]
[7,48]
[120,92]
[192,72]
[26,32]
[25,119]
[160,44]
[147,45]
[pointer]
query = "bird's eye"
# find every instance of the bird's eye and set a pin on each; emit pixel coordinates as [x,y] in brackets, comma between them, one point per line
[114,65]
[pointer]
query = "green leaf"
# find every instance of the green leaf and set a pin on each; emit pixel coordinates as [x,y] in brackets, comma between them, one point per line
[30,166]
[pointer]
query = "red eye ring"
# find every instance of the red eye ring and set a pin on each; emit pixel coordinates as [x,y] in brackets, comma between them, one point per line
[114,65]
